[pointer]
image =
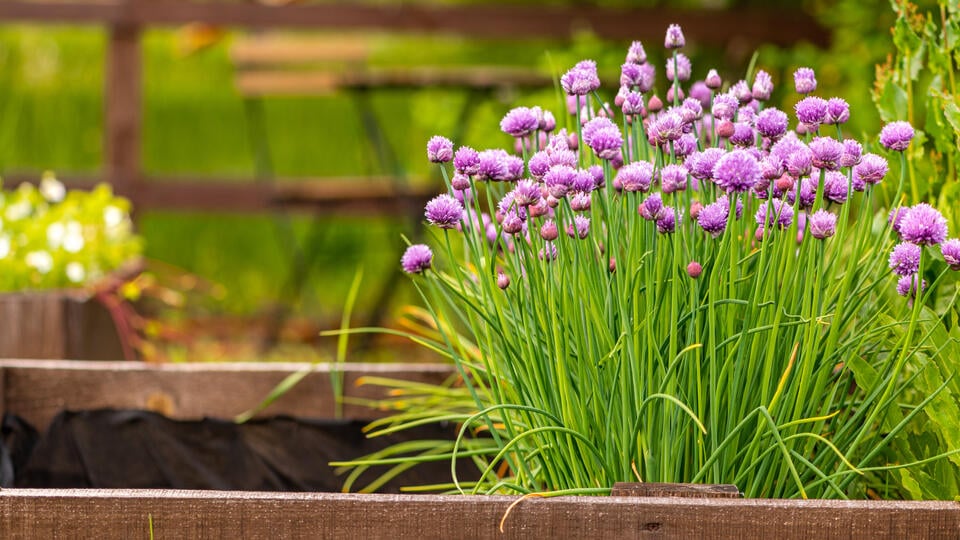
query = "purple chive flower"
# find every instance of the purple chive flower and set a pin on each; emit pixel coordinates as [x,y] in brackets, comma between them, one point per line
[526,193]
[741,91]
[725,201]
[667,223]
[493,165]
[581,79]
[694,269]
[444,211]
[701,164]
[515,166]
[807,190]
[838,111]
[905,259]
[580,201]
[513,221]
[633,104]
[463,195]
[539,164]
[742,135]
[673,178]
[772,123]
[907,286]
[606,142]
[630,75]
[737,171]
[713,217]
[651,209]
[580,227]
[683,67]
[691,110]
[724,106]
[713,80]
[811,110]
[548,231]
[895,218]
[648,76]
[804,80]
[596,171]
[503,281]
[520,122]
[559,180]
[439,149]
[896,136]
[923,225]
[685,145]
[800,162]
[549,252]
[777,214]
[562,157]
[822,224]
[636,176]
[667,127]
[583,181]
[827,152]
[762,86]
[466,160]
[771,167]
[674,38]
[636,54]
[950,249]
[593,126]
[460,181]
[701,92]
[871,169]
[852,153]
[835,187]
[416,259]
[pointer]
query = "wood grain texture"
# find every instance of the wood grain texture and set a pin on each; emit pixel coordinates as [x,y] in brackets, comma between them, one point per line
[56,325]
[122,514]
[123,115]
[38,390]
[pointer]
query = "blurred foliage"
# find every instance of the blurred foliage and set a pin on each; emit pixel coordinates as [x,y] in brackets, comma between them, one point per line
[54,239]
[194,124]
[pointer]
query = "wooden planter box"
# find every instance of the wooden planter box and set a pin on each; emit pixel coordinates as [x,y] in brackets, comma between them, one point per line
[56,325]
[37,390]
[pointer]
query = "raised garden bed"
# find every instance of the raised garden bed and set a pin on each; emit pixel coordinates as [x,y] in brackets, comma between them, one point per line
[38,390]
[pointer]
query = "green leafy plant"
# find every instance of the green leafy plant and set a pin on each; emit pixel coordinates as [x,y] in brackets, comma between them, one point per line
[676,297]
[51,238]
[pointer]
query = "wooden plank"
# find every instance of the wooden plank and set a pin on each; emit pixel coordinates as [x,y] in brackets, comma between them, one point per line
[263,82]
[122,110]
[57,325]
[123,514]
[37,390]
[273,49]
[661,489]
[336,195]
[748,26]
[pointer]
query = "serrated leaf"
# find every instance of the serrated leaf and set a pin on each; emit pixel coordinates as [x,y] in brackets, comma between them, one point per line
[892,102]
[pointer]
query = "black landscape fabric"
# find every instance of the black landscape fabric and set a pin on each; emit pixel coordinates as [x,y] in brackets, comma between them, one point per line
[141,449]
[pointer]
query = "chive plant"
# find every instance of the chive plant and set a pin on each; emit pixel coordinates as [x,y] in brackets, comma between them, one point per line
[673,290]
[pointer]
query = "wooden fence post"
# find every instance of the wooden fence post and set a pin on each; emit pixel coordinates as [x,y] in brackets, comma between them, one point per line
[123,111]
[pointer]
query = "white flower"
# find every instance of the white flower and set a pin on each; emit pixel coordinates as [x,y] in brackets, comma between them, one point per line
[41,261]
[4,246]
[52,189]
[55,234]
[73,237]
[75,272]
[18,210]
[112,216]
